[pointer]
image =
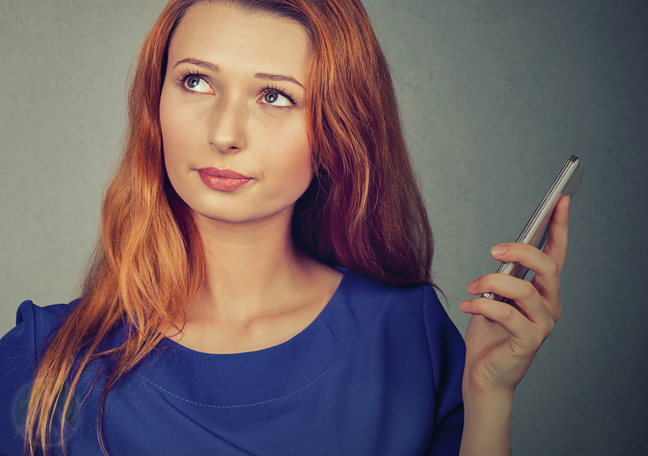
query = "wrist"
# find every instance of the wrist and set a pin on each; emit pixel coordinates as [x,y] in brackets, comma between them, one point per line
[481,393]
[487,423]
[495,400]
[488,408]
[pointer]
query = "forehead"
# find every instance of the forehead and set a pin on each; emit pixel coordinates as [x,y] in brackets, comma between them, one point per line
[236,39]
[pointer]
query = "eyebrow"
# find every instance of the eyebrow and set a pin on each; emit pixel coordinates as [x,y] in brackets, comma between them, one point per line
[215,69]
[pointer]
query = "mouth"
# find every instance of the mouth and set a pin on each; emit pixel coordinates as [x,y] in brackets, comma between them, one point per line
[223,180]
[222,173]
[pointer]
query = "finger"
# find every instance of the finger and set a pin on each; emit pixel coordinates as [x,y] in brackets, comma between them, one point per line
[556,246]
[525,334]
[525,295]
[546,267]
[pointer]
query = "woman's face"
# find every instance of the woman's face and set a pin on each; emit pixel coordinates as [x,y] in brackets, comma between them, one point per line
[232,114]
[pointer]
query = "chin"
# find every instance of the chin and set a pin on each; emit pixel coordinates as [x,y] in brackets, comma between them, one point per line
[248,216]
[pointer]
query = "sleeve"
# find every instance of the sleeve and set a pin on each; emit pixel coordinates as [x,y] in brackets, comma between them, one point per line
[448,353]
[18,358]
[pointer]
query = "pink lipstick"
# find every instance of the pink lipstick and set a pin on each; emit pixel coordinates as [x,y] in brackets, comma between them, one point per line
[223,180]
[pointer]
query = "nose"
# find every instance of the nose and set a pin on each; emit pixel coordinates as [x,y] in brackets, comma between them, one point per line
[228,124]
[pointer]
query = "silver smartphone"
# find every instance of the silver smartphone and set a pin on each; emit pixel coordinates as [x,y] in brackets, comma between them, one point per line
[536,230]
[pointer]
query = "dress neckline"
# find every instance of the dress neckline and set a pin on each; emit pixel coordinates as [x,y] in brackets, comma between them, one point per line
[170,343]
[259,377]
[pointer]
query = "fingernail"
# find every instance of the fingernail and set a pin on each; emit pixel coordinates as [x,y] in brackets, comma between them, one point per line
[499,250]
[464,305]
[472,286]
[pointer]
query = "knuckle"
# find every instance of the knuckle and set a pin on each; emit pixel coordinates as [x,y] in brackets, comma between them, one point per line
[528,290]
[554,269]
[508,313]
[517,249]
[486,281]
[549,327]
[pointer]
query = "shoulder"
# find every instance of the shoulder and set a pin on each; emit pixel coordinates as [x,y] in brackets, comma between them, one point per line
[405,317]
[35,325]
[20,351]
[413,346]
[405,305]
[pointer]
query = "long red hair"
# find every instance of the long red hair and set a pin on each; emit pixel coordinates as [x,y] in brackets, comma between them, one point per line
[363,211]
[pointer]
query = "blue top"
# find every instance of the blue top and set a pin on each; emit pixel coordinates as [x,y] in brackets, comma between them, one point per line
[378,372]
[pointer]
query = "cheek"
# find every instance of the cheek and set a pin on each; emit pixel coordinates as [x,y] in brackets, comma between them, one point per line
[172,137]
[166,127]
[299,161]
[307,171]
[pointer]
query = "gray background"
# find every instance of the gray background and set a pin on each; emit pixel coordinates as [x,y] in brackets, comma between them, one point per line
[495,95]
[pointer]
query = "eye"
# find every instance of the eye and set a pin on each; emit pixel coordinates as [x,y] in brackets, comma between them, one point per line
[192,81]
[275,97]
[196,83]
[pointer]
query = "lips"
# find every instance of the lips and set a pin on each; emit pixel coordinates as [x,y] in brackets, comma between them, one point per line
[223,180]
[222,173]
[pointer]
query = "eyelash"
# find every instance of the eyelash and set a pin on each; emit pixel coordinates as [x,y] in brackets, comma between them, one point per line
[273,89]
[182,79]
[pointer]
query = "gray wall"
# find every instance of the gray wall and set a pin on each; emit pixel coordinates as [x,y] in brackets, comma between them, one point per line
[494,94]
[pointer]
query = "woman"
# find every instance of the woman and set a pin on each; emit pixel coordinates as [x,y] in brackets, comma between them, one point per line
[261,284]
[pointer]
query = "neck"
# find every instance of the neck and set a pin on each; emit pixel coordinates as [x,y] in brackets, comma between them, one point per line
[260,290]
[249,266]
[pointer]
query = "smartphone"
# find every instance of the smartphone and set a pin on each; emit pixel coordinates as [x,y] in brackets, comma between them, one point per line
[536,230]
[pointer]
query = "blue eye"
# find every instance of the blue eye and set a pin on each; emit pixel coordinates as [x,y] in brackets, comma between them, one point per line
[275,97]
[196,83]
[193,82]
[271,97]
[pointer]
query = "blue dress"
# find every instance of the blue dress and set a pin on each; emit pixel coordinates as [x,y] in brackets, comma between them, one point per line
[378,372]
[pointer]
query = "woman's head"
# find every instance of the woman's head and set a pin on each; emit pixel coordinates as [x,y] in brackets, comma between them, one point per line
[232,114]
[146,136]
[363,209]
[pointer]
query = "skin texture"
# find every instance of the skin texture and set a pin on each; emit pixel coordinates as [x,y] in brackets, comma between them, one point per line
[226,121]
[499,352]
[261,290]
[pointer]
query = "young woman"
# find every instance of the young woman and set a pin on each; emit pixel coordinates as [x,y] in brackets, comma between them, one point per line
[261,284]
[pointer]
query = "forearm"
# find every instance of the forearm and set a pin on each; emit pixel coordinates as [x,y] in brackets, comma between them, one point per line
[487,425]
